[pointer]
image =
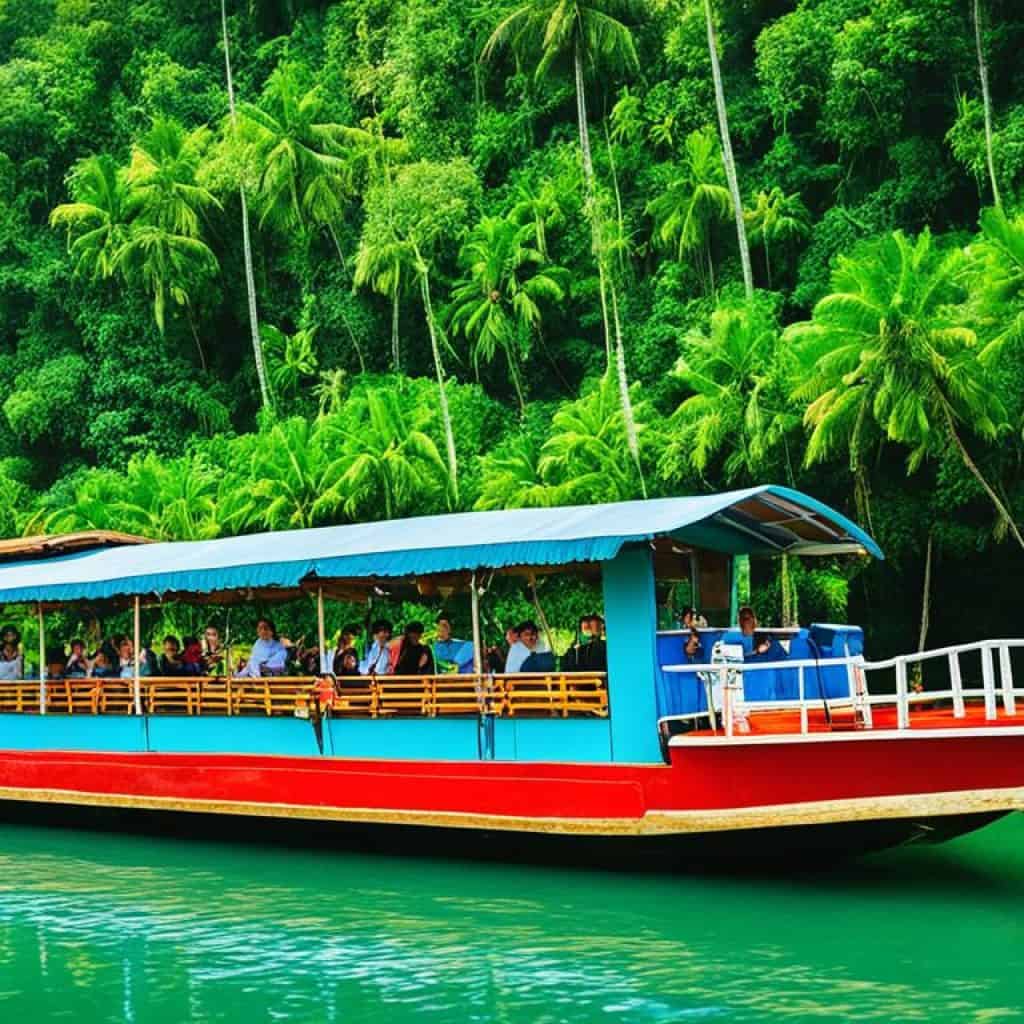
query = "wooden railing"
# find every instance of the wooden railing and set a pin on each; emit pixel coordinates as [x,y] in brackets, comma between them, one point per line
[534,694]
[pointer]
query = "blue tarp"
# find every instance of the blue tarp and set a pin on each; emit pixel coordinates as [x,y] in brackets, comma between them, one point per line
[770,519]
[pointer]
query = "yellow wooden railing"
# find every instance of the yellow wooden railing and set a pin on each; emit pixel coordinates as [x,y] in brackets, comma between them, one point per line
[535,694]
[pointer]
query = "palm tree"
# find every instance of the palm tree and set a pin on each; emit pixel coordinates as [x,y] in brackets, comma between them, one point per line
[162,178]
[511,478]
[97,219]
[288,470]
[250,279]
[888,349]
[581,456]
[389,462]
[294,355]
[777,218]
[727,157]
[997,282]
[588,34]
[302,178]
[986,100]
[497,303]
[385,264]
[740,406]
[694,199]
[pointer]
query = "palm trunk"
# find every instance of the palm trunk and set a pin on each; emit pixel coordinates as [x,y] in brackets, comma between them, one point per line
[727,157]
[627,405]
[396,354]
[986,100]
[449,436]
[917,680]
[1003,511]
[250,280]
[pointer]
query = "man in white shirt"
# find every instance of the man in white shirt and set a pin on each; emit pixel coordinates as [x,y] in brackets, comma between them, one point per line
[378,656]
[522,648]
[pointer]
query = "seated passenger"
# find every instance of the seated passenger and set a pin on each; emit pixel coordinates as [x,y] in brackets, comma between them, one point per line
[214,654]
[126,660]
[170,663]
[308,658]
[192,662]
[378,658]
[414,657]
[691,620]
[458,653]
[77,664]
[55,663]
[12,661]
[571,660]
[765,647]
[522,647]
[346,664]
[268,657]
[100,666]
[594,657]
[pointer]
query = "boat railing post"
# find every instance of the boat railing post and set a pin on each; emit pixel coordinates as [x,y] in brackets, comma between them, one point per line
[902,699]
[956,684]
[321,631]
[137,652]
[1006,679]
[803,700]
[726,689]
[863,691]
[42,658]
[988,681]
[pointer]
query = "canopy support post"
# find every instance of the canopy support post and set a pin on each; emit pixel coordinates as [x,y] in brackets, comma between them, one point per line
[478,661]
[42,658]
[137,656]
[321,630]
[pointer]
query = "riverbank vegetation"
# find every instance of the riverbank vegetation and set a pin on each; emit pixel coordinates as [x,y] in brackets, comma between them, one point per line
[419,255]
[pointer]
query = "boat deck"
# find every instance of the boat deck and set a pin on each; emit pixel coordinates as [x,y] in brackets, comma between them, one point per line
[844,719]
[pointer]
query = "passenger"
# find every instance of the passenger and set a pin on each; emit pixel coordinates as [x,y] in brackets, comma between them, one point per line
[458,653]
[596,659]
[767,648]
[214,655]
[100,666]
[77,664]
[269,656]
[55,663]
[12,661]
[126,660]
[691,620]
[378,658]
[308,658]
[523,647]
[415,657]
[346,664]
[572,660]
[497,655]
[192,663]
[170,663]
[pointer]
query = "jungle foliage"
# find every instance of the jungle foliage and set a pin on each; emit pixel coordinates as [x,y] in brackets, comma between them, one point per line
[522,252]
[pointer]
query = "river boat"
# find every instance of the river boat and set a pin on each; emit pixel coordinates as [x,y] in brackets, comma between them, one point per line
[720,753]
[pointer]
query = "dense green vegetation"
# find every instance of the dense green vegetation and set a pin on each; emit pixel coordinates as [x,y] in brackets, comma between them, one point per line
[443,254]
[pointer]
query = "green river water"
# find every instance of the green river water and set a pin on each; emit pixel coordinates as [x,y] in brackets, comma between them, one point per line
[108,927]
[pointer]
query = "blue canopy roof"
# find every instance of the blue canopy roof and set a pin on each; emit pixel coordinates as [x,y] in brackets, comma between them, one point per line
[756,520]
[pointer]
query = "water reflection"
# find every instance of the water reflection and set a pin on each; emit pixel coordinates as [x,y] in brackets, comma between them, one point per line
[113,928]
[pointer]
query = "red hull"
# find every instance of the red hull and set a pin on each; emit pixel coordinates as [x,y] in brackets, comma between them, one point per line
[709,786]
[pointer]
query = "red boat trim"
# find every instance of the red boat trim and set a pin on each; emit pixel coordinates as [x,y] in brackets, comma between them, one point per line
[861,735]
[652,823]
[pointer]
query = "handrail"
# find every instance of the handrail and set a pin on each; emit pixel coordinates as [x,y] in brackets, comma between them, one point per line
[858,696]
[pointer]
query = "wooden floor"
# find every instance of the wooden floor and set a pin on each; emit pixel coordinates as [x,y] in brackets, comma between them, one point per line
[922,716]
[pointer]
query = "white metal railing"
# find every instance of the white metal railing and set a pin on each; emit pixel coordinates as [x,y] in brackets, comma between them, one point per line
[725,680]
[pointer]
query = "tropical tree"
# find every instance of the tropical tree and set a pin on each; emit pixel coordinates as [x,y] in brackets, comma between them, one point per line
[288,474]
[302,178]
[740,407]
[292,357]
[406,219]
[389,464]
[589,35]
[97,219]
[250,278]
[776,219]
[727,157]
[581,455]
[888,350]
[386,263]
[996,263]
[162,179]
[693,201]
[511,477]
[986,100]
[497,303]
